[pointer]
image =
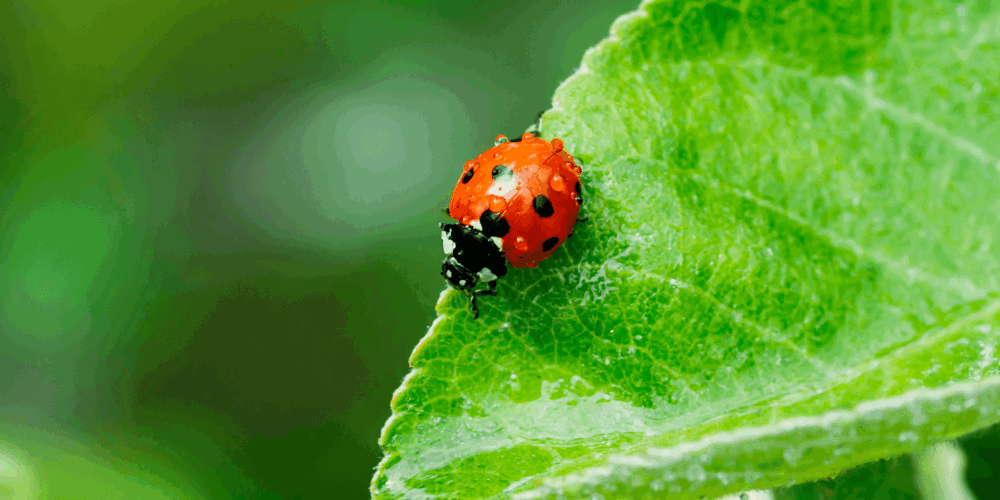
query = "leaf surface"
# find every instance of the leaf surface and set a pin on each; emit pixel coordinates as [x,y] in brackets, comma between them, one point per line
[791,264]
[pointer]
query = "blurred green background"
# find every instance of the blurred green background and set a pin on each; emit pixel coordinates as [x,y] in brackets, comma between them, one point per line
[218,239]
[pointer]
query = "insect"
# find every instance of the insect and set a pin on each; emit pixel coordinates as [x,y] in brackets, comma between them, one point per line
[517,202]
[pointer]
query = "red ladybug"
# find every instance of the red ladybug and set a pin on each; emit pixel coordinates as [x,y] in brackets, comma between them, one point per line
[518,202]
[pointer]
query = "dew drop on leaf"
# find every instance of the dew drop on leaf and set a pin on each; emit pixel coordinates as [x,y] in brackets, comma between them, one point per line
[792,454]
[696,475]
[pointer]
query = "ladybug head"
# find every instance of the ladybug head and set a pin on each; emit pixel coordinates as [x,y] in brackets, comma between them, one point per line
[470,257]
[458,276]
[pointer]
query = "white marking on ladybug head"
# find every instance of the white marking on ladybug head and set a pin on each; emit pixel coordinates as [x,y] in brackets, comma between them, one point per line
[461,283]
[449,246]
[497,241]
[476,224]
[486,275]
[449,273]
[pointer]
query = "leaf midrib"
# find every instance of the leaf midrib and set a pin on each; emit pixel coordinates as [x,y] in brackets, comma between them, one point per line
[789,422]
[660,457]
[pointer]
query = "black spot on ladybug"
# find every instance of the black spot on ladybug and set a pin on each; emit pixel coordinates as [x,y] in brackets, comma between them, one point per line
[542,206]
[579,198]
[493,224]
[549,243]
[502,174]
[468,175]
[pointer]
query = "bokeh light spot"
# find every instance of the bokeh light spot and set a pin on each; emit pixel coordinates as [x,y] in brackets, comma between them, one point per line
[368,130]
[17,479]
[343,160]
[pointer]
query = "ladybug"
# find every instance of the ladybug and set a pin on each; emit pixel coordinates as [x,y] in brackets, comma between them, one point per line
[517,202]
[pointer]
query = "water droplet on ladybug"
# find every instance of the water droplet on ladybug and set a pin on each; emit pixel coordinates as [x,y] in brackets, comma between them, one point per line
[527,135]
[470,164]
[557,183]
[479,205]
[466,220]
[569,164]
[497,204]
[500,140]
[557,144]
[521,244]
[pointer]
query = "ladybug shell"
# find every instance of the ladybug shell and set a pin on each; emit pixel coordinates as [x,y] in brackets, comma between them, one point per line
[526,193]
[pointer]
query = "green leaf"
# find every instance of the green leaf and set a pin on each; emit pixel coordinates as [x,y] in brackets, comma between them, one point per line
[892,478]
[932,473]
[791,266]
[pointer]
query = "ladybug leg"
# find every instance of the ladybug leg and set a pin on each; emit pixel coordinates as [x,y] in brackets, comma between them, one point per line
[446,210]
[537,132]
[491,291]
[472,297]
[538,124]
[585,219]
[472,302]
